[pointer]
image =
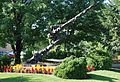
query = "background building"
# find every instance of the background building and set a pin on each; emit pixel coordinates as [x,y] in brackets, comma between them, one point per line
[6,49]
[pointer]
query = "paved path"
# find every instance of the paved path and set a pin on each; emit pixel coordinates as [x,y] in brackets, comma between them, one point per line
[116,66]
[55,60]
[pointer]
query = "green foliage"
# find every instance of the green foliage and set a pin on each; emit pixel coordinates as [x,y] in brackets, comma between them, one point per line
[28,54]
[66,60]
[88,48]
[57,52]
[99,62]
[83,49]
[87,28]
[110,19]
[103,62]
[91,62]
[56,55]
[5,60]
[26,23]
[97,54]
[30,27]
[22,24]
[72,68]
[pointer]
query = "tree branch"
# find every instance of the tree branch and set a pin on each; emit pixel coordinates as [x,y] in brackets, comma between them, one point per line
[37,56]
[71,20]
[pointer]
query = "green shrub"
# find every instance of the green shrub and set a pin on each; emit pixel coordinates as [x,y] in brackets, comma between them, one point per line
[72,68]
[91,62]
[5,60]
[99,62]
[67,59]
[103,62]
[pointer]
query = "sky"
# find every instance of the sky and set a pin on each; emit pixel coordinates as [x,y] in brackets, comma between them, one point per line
[106,1]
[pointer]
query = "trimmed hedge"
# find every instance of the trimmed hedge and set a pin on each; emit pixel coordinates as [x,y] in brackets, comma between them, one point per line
[72,68]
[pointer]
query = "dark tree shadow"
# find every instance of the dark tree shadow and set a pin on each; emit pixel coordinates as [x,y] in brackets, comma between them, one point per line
[102,78]
[15,79]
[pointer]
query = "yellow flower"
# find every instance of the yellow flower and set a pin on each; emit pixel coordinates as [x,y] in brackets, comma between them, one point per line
[42,67]
[38,66]
[47,68]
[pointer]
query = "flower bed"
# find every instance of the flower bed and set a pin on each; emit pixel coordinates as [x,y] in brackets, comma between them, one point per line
[19,68]
[28,69]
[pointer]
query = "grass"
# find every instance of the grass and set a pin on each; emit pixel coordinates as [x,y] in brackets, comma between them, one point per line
[96,76]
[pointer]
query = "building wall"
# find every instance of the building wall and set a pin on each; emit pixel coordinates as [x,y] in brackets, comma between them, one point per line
[6,49]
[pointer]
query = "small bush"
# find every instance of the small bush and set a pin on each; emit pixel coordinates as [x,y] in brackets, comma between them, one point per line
[72,68]
[5,60]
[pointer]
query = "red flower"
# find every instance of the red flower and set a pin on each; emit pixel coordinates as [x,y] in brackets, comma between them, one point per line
[33,71]
[93,68]
[88,68]
[5,68]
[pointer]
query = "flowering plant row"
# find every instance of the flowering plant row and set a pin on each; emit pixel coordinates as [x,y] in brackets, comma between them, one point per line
[33,69]
[28,69]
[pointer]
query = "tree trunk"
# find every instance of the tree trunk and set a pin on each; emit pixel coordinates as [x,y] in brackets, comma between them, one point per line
[36,57]
[17,34]
[17,58]
[18,51]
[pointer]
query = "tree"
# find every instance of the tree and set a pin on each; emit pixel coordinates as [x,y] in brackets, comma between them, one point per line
[111,21]
[59,28]
[22,24]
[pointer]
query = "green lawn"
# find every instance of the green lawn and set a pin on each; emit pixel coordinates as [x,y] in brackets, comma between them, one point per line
[97,76]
